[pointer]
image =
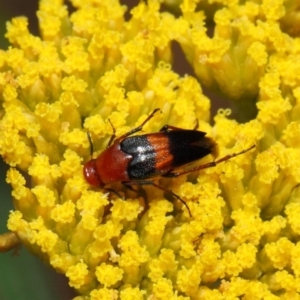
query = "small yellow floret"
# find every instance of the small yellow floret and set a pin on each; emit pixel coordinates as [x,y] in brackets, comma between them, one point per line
[49,62]
[17,28]
[63,213]
[210,50]
[295,262]
[44,195]
[267,166]
[166,262]
[270,112]
[78,275]
[114,78]
[274,225]
[95,124]
[206,293]
[246,255]
[163,289]
[72,162]
[40,166]
[125,210]
[108,275]
[15,221]
[248,226]
[15,178]
[75,138]
[292,211]
[286,281]
[280,252]
[231,263]
[49,112]
[98,248]
[133,254]
[188,280]
[67,99]
[103,294]
[10,92]
[291,135]
[15,58]
[29,76]
[257,51]
[269,86]
[89,222]
[130,293]
[273,10]
[157,211]
[46,239]
[73,84]
[138,51]
[209,251]
[91,201]
[107,230]
[103,234]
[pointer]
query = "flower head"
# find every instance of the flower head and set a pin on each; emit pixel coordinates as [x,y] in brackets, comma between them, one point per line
[94,71]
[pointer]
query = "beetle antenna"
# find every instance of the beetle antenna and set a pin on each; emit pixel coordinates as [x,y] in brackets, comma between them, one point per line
[91,144]
[113,136]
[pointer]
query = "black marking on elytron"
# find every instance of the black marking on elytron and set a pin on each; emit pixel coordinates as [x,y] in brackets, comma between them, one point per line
[187,146]
[143,155]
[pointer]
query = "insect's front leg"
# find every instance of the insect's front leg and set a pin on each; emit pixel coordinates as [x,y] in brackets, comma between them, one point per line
[134,130]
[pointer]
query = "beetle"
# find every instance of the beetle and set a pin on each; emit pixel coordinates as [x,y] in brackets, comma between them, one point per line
[140,159]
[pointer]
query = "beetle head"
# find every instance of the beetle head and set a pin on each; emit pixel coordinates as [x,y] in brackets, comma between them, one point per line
[90,173]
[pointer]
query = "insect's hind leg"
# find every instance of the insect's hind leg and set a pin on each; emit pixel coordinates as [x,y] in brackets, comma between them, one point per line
[208,165]
[150,182]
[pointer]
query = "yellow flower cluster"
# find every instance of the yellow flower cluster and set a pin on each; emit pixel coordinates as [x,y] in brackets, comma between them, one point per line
[95,65]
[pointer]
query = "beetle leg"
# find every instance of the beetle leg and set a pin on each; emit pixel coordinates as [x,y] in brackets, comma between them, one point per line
[113,136]
[167,128]
[151,182]
[113,191]
[134,130]
[91,144]
[208,165]
[129,187]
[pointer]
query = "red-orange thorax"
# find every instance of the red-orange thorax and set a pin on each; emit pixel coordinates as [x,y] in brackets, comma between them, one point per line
[111,165]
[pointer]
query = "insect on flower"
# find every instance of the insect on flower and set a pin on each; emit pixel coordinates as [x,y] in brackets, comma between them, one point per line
[139,159]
